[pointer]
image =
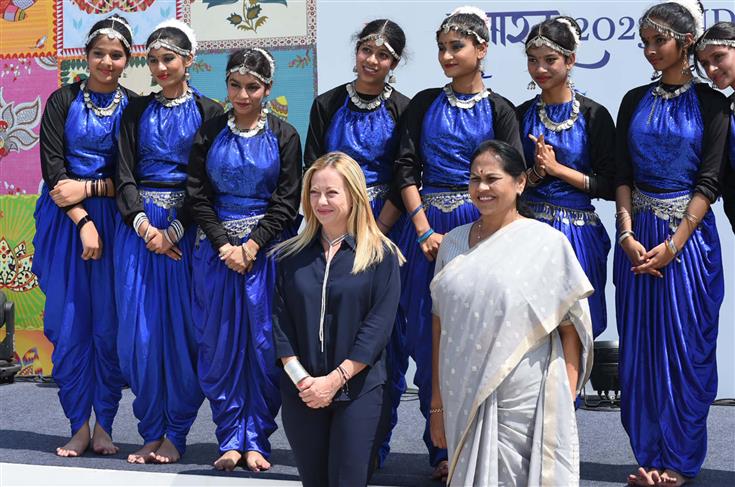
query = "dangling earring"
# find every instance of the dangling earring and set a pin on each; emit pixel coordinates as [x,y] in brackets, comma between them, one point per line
[656,75]
[354,69]
[391,77]
[570,83]
[187,75]
[686,70]
[531,85]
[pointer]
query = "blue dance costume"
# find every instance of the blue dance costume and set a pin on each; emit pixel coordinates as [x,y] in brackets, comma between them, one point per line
[588,147]
[79,315]
[156,341]
[243,185]
[370,136]
[668,149]
[439,139]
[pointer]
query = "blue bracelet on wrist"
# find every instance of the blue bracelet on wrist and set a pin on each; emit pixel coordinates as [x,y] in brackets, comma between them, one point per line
[414,212]
[423,238]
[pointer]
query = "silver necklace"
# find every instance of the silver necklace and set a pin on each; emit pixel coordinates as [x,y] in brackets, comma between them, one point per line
[332,243]
[247,133]
[371,104]
[554,126]
[660,93]
[464,104]
[174,102]
[101,111]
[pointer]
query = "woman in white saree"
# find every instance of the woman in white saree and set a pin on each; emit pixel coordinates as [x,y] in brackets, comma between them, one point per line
[512,338]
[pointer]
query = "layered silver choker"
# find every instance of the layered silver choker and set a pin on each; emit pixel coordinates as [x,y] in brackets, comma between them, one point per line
[464,104]
[660,92]
[247,133]
[371,104]
[101,111]
[554,126]
[174,102]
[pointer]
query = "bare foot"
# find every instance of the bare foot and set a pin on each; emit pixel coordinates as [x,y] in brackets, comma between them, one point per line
[672,478]
[228,461]
[255,462]
[102,443]
[166,453]
[441,471]
[77,444]
[145,454]
[644,477]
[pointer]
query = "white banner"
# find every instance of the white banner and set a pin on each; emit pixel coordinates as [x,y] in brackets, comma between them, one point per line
[609,63]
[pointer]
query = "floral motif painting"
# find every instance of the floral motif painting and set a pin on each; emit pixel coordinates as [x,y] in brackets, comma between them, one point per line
[25,84]
[228,24]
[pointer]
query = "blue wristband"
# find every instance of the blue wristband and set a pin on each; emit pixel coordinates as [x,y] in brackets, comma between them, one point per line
[414,212]
[423,238]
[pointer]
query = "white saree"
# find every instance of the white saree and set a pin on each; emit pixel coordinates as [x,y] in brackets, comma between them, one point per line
[500,305]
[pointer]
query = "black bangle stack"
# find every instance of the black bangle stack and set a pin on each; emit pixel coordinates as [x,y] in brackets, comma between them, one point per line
[83,221]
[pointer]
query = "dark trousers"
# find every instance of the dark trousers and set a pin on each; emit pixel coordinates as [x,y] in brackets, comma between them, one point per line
[336,446]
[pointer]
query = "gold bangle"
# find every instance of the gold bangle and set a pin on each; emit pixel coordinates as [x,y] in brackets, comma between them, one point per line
[436,410]
[691,218]
[247,253]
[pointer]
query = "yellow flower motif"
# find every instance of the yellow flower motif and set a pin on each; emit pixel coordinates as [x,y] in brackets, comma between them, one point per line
[252,13]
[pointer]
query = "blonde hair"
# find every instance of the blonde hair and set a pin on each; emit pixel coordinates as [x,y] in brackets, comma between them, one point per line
[370,243]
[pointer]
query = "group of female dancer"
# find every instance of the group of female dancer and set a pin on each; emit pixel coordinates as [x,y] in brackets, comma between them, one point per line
[159,223]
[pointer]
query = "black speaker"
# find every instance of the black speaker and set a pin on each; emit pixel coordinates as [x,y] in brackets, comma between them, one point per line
[8,366]
[604,376]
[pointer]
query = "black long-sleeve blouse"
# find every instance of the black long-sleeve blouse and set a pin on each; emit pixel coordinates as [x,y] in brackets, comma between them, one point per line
[128,197]
[600,131]
[713,108]
[728,170]
[283,206]
[52,141]
[409,166]
[358,320]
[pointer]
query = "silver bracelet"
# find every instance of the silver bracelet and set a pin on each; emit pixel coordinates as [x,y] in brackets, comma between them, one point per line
[168,237]
[586,183]
[296,372]
[145,235]
[625,234]
[139,219]
[177,231]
